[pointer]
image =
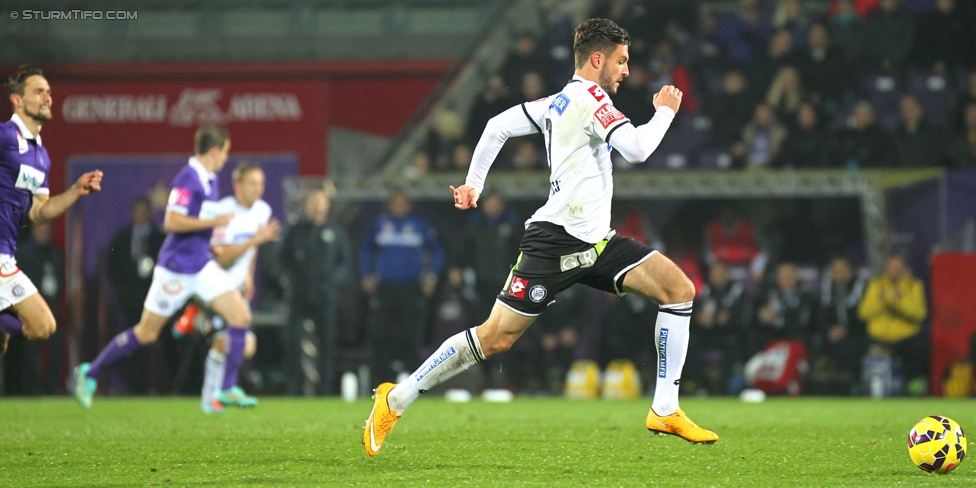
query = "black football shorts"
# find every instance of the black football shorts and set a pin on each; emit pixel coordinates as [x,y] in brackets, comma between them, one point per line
[551,260]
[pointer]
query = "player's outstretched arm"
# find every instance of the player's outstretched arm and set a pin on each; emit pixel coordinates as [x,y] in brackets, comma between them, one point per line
[178,223]
[228,254]
[637,143]
[46,208]
[465,197]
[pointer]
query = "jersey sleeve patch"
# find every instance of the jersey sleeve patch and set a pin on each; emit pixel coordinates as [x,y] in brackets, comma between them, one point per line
[559,103]
[608,114]
[597,92]
[179,197]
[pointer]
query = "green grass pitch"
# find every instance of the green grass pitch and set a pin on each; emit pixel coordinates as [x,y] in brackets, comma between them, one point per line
[163,442]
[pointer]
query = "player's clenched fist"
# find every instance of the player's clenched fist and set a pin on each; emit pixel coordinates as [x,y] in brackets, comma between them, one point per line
[465,197]
[669,96]
[90,182]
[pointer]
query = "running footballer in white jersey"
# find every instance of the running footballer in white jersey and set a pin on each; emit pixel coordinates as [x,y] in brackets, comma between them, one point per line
[569,239]
[234,247]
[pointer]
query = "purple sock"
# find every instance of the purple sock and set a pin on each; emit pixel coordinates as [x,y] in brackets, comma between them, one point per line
[236,337]
[121,346]
[11,325]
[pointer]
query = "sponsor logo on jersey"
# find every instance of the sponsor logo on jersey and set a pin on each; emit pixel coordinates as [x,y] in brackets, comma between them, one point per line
[179,197]
[435,362]
[559,103]
[597,92]
[537,293]
[662,353]
[30,178]
[608,114]
[517,288]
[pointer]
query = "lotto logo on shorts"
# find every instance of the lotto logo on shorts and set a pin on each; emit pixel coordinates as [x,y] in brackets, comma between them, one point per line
[517,289]
[608,114]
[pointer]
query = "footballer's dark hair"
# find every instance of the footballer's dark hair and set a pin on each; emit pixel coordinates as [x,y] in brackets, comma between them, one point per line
[593,35]
[210,136]
[17,82]
[243,168]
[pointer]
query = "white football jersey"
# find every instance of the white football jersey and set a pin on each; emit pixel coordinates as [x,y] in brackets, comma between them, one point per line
[577,123]
[242,227]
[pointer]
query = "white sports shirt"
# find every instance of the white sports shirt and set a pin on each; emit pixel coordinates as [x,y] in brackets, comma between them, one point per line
[242,227]
[578,124]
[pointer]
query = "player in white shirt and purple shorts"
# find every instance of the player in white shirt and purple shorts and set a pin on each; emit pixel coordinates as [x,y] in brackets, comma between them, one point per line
[184,269]
[235,248]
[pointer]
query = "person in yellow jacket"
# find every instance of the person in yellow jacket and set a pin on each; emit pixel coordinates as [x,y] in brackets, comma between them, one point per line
[893,308]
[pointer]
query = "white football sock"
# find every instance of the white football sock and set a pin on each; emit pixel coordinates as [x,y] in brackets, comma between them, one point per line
[458,353]
[671,340]
[213,376]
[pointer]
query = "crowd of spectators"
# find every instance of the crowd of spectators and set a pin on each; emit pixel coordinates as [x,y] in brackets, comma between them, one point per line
[767,84]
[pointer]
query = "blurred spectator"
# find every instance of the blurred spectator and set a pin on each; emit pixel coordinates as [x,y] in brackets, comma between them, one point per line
[634,97]
[942,42]
[864,144]
[917,142]
[444,136]
[732,240]
[418,167]
[842,337]
[532,87]
[844,26]
[316,260]
[527,155]
[807,145]
[25,371]
[743,34]
[131,258]
[490,248]
[784,311]
[524,59]
[719,328]
[761,139]
[822,70]
[399,263]
[967,97]
[560,329]
[894,308]
[786,93]
[732,109]
[778,55]
[887,37]
[494,99]
[461,158]
[625,331]
[962,149]
[454,309]
[791,16]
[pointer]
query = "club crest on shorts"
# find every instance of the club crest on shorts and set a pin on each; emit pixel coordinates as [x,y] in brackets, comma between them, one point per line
[537,293]
[172,287]
[18,291]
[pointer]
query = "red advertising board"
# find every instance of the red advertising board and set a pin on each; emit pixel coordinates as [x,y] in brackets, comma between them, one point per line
[953,313]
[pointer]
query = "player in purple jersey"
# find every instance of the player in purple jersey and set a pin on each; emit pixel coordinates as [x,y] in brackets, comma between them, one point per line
[25,197]
[184,269]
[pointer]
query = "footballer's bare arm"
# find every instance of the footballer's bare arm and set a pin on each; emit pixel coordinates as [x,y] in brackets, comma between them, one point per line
[46,208]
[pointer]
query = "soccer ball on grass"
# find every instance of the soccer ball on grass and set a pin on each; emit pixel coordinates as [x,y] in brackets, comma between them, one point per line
[937,444]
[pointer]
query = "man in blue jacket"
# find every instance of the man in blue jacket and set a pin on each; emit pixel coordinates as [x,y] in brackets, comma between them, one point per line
[399,264]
